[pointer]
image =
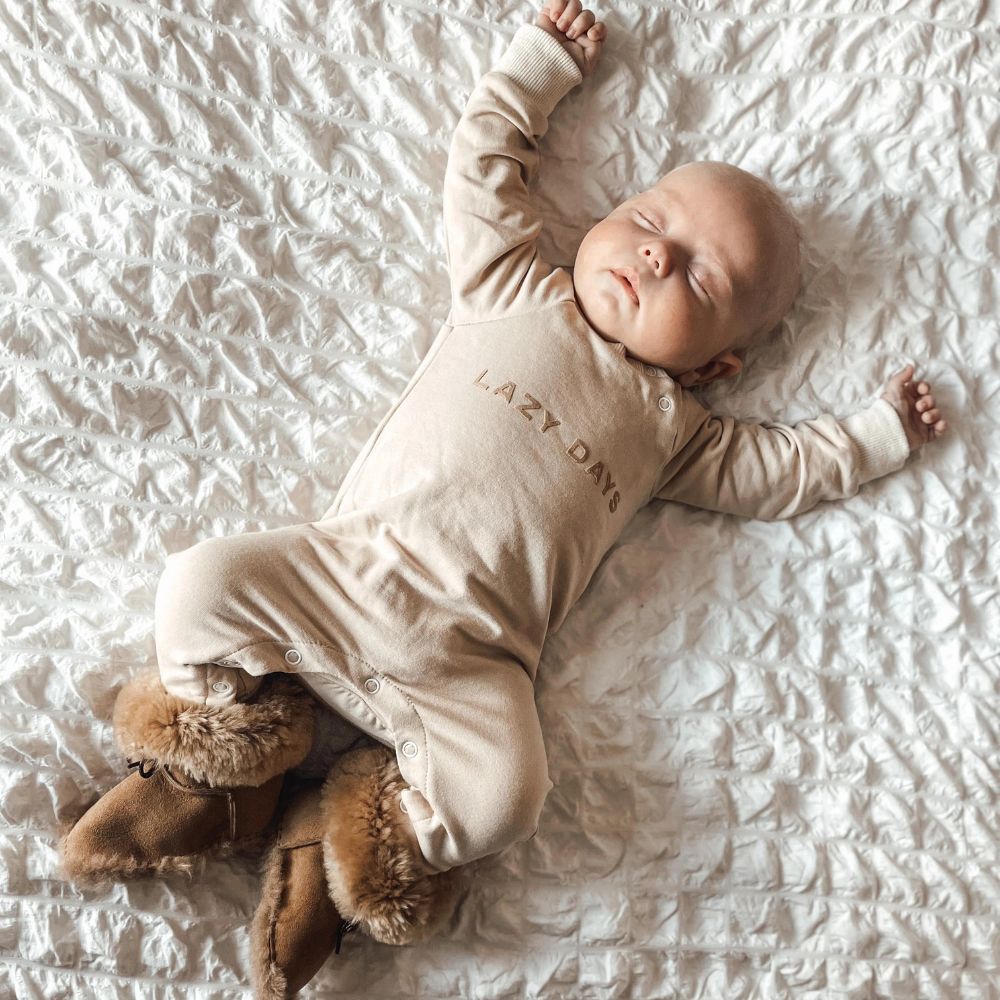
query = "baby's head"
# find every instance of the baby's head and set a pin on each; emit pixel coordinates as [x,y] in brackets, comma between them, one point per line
[712,253]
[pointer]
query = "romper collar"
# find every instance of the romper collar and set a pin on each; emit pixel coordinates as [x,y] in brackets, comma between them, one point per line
[619,348]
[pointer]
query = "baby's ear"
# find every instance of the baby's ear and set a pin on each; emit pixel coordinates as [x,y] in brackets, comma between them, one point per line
[728,364]
[724,365]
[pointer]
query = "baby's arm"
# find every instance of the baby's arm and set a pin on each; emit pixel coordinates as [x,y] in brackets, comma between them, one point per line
[772,470]
[490,223]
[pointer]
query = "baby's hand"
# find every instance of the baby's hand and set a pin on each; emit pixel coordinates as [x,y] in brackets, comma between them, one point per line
[576,30]
[915,406]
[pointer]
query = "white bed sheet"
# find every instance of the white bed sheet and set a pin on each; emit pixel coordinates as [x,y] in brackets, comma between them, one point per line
[221,257]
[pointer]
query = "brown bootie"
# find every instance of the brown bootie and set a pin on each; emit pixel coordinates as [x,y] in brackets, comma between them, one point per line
[207,780]
[296,925]
[376,878]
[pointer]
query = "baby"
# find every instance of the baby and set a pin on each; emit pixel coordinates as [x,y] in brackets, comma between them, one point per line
[550,408]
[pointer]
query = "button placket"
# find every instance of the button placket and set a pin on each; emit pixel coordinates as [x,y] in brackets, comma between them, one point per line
[385,701]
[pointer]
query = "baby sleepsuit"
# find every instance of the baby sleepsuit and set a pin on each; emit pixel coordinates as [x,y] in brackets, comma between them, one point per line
[479,509]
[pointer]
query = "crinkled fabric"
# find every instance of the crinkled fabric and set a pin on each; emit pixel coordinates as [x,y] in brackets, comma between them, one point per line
[774,744]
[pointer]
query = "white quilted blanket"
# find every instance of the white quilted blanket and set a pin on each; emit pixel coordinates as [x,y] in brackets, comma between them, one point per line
[221,257]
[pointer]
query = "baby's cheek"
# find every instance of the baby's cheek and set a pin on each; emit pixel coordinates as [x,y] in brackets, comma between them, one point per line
[596,307]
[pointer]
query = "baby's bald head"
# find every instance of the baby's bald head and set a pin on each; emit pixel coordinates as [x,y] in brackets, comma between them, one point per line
[704,263]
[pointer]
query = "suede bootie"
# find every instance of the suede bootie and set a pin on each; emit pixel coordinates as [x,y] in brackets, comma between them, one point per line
[296,925]
[206,780]
[376,877]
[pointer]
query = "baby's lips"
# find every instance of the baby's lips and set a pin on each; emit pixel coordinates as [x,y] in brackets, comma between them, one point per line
[629,281]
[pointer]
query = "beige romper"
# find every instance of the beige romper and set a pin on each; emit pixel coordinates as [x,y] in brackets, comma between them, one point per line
[476,514]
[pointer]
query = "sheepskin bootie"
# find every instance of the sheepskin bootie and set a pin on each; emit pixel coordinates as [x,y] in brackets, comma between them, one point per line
[296,925]
[375,876]
[206,781]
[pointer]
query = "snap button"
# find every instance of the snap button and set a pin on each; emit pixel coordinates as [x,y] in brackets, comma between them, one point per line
[372,685]
[650,370]
[222,687]
[409,749]
[293,656]
[664,403]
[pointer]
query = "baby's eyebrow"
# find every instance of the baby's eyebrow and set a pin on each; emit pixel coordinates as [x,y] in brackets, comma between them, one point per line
[720,275]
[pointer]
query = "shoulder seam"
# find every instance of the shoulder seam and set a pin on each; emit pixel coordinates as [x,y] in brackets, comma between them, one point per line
[530,312]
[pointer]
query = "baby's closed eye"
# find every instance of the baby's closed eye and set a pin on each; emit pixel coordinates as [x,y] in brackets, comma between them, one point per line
[696,279]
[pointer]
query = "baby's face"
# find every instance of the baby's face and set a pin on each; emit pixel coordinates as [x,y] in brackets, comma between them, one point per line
[694,248]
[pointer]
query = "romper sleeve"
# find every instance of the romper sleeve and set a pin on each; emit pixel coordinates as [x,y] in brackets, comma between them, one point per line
[769,470]
[490,222]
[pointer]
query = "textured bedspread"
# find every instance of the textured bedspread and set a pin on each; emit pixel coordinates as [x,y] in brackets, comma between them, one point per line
[221,258]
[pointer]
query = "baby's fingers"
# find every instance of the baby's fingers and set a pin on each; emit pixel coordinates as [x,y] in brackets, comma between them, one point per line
[927,412]
[903,375]
[564,13]
[581,23]
[935,426]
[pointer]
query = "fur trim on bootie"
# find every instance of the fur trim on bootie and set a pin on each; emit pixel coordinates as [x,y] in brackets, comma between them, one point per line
[373,875]
[245,743]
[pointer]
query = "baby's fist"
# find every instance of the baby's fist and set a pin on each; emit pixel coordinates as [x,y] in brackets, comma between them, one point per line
[915,405]
[576,30]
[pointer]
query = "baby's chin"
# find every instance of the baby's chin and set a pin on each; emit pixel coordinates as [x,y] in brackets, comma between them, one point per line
[607,328]
[592,314]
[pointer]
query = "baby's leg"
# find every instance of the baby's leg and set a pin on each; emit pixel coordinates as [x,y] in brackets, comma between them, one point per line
[210,742]
[204,615]
[231,612]
[394,844]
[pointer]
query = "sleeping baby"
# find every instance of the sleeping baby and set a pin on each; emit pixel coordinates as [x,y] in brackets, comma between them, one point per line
[551,407]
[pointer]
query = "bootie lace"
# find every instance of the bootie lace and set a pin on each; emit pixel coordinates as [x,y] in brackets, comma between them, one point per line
[140,764]
[346,926]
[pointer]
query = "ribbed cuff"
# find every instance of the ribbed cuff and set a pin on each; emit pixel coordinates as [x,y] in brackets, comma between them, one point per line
[881,440]
[545,70]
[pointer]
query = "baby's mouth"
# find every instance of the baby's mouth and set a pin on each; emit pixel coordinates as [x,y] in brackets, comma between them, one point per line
[629,280]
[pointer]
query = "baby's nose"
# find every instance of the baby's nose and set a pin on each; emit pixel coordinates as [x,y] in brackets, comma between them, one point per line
[660,260]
